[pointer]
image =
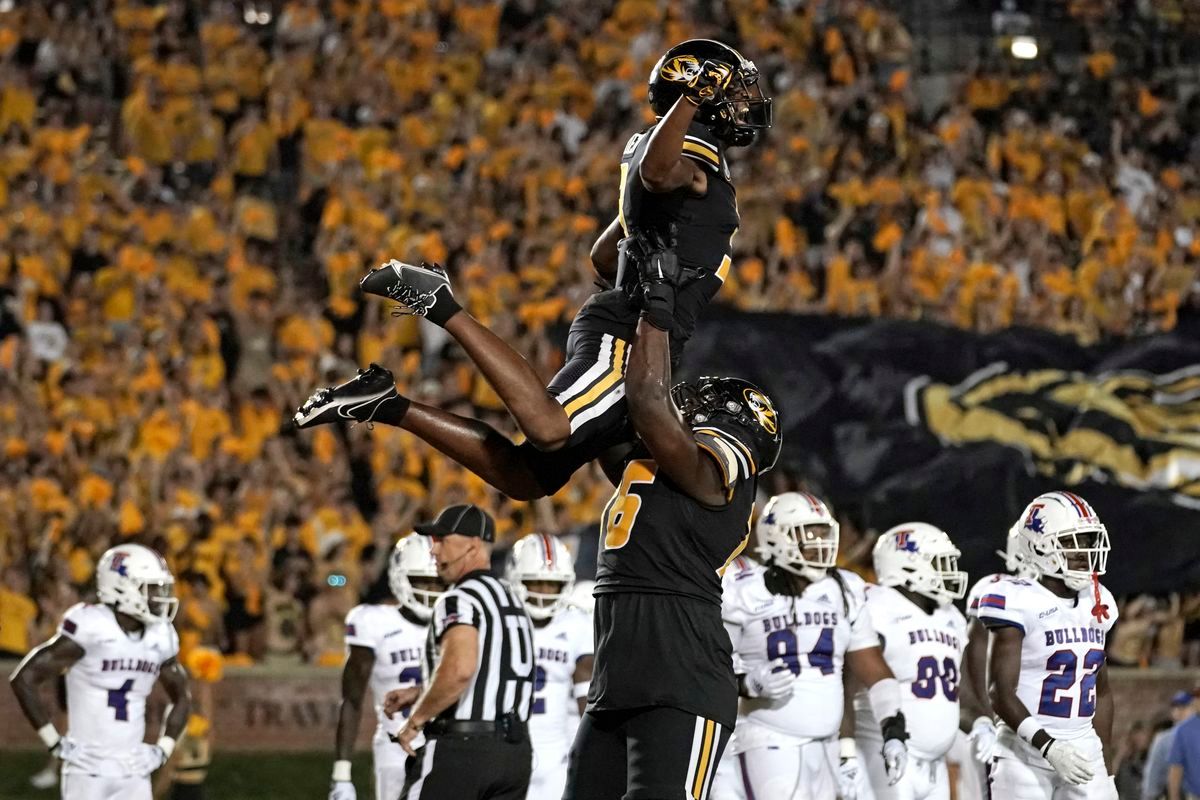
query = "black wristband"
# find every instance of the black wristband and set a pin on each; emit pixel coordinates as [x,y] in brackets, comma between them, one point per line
[658,305]
[894,728]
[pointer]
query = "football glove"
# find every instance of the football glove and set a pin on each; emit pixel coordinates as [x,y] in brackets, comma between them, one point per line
[983,739]
[342,790]
[895,752]
[658,275]
[709,84]
[772,680]
[1071,765]
[847,777]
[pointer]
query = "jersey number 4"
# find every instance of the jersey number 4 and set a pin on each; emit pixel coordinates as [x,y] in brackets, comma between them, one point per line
[783,644]
[1063,667]
[623,508]
[118,700]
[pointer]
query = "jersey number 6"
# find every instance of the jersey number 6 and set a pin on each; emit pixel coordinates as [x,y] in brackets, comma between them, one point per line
[623,508]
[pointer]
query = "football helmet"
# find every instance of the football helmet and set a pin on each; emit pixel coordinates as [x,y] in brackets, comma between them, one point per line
[541,558]
[1016,556]
[412,558]
[737,117]
[922,559]
[797,533]
[1064,538]
[736,407]
[136,581]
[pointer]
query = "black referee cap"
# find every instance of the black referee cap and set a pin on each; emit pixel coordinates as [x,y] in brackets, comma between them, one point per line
[465,520]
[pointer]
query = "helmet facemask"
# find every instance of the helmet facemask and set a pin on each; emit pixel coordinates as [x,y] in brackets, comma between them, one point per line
[811,549]
[937,578]
[745,111]
[161,603]
[415,583]
[1079,554]
[543,598]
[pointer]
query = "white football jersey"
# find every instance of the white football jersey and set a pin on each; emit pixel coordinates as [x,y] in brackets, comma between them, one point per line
[1062,651]
[108,687]
[565,639]
[397,644]
[811,633]
[924,652]
[979,589]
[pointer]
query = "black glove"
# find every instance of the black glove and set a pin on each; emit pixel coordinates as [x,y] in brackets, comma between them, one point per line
[659,276]
[709,84]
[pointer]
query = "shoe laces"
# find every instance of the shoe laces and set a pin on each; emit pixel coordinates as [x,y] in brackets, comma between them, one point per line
[413,303]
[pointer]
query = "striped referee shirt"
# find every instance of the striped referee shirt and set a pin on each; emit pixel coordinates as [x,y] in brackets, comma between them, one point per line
[504,668]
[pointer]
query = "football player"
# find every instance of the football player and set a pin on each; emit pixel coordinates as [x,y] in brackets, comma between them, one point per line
[983,729]
[663,698]
[1047,678]
[794,623]
[385,643]
[674,184]
[923,636]
[113,653]
[542,572]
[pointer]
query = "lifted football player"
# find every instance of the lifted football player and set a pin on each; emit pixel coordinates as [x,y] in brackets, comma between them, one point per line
[675,185]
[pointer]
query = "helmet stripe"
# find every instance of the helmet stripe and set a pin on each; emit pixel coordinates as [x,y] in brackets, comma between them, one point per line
[1077,502]
[814,502]
[549,549]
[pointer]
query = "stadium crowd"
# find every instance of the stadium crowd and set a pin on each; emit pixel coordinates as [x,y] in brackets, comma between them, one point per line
[190,196]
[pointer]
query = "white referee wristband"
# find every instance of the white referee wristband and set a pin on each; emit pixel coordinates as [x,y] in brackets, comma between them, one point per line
[341,770]
[847,748]
[49,735]
[581,689]
[1028,729]
[167,745]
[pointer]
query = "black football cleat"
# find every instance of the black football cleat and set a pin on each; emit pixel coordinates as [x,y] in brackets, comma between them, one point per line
[423,291]
[356,400]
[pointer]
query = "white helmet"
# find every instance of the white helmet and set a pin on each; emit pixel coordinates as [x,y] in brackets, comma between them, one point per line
[539,557]
[1059,528]
[922,559]
[797,533]
[412,558]
[1016,555]
[125,577]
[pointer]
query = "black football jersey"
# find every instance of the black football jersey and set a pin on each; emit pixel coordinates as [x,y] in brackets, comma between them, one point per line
[657,539]
[704,225]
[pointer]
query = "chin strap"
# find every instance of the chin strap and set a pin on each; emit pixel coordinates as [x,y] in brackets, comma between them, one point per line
[1099,610]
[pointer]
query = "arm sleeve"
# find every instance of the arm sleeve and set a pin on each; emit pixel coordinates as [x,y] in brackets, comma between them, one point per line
[701,146]
[862,627]
[359,631]
[979,589]
[75,625]
[453,608]
[999,607]
[172,643]
[731,455]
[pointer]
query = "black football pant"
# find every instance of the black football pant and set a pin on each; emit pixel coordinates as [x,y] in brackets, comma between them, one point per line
[468,768]
[654,753]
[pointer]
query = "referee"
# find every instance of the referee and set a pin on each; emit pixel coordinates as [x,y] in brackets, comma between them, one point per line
[466,736]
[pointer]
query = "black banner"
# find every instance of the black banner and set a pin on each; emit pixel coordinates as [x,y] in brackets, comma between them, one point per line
[896,421]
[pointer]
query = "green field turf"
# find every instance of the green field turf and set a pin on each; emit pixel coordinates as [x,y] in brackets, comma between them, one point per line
[233,777]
